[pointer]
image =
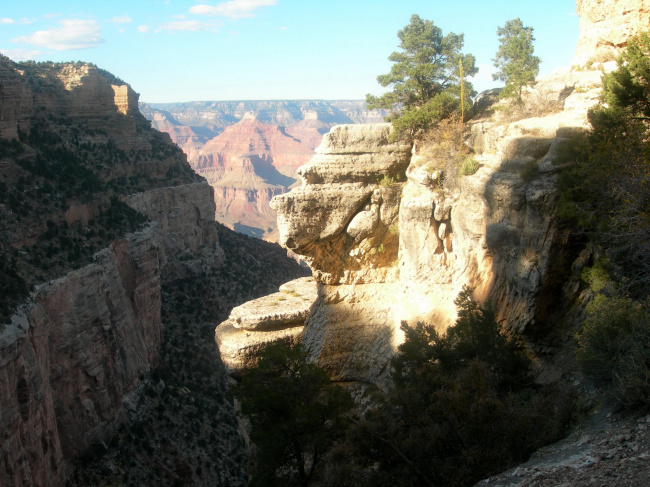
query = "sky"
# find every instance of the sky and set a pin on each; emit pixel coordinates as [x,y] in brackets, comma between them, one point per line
[186,50]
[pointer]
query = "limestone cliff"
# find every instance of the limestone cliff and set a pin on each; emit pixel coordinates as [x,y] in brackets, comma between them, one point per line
[392,232]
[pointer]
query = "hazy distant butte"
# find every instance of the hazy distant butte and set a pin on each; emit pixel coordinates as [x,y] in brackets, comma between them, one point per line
[249,151]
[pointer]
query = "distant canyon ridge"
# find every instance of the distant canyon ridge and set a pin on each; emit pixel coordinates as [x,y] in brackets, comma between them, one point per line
[249,150]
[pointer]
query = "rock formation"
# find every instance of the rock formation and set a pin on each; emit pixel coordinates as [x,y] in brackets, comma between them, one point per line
[277,316]
[249,151]
[72,354]
[606,25]
[393,233]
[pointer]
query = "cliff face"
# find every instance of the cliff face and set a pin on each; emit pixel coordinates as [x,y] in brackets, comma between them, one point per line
[606,25]
[74,150]
[72,354]
[393,233]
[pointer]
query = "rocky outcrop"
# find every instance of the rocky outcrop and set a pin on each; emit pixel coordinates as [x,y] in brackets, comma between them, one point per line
[249,151]
[186,218]
[606,25]
[277,316]
[70,356]
[393,234]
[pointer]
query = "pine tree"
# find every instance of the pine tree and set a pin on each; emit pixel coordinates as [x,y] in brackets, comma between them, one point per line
[515,61]
[425,78]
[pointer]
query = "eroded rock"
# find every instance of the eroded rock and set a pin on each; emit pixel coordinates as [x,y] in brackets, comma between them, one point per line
[251,326]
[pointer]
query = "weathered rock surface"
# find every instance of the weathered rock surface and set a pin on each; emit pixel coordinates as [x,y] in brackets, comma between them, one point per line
[277,316]
[76,351]
[391,238]
[606,25]
[606,450]
[186,217]
[72,353]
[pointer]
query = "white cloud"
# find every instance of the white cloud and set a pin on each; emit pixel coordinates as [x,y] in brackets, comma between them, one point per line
[234,8]
[73,34]
[20,54]
[6,21]
[186,25]
[124,19]
[144,29]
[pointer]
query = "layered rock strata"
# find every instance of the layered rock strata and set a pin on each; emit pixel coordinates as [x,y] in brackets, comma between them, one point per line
[275,317]
[393,234]
[249,151]
[79,347]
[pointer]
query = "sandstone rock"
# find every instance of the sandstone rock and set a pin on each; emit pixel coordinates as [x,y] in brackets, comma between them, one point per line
[186,217]
[605,27]
[387,253]
[251,326]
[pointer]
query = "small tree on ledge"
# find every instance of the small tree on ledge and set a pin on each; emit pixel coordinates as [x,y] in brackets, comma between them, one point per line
[425,78]
[515,61]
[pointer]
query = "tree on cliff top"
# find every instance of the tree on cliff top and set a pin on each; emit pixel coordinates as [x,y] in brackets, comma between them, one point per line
[425,78]
[517,65]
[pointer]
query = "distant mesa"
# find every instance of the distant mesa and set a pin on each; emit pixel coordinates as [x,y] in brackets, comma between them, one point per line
[249,150]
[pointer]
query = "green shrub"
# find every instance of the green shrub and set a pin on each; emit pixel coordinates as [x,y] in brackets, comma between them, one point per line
[614,349]
[462,408]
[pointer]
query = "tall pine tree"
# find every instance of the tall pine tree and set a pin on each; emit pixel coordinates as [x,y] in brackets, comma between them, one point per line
[515,61]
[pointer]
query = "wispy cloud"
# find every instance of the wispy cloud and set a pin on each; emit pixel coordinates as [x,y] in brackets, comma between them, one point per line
[21,54]
[72,34]
[124,19]
[234,8]
[186,25]
[144,29]
[6,20]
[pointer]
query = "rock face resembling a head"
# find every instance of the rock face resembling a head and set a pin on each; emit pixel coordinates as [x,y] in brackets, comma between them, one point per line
[339,220]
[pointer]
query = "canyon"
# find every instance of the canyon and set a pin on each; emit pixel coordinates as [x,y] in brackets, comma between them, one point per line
[393,233]
[116,273]
[249,151]
[105,228]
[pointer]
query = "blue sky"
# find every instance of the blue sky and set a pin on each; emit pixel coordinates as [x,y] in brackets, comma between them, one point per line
[185,50]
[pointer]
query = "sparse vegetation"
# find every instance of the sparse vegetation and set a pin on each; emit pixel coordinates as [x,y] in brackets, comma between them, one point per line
[469,166]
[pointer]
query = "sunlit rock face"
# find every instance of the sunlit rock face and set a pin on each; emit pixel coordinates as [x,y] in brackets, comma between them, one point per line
[249,151]
[391,238]
[276,317]
[606,25]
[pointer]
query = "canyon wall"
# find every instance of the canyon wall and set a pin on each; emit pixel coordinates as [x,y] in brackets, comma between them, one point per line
[393,232]
[74,354]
